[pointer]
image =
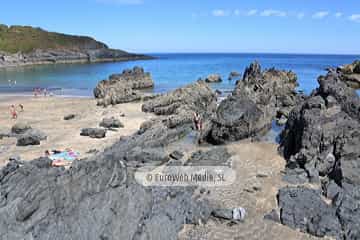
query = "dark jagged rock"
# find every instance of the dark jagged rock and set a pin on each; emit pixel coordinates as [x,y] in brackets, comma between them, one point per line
[93,132]
[236,118]
[302,208]
[213,78]
[111,123]
[93,200]
[323,134]
[120,88]
[321,144]
[69,117]
[257,99]
[31,137]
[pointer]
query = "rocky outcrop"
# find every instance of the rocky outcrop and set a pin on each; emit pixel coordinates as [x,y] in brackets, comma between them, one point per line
[322,134]
[22,45]
[258,98]
[136,78]
[120,88]
[350,74]
[92,200]
[179,106]
[321,145]
[213,78]
[40,56]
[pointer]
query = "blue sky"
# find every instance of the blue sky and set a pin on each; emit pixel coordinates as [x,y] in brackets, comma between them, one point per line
[286,26]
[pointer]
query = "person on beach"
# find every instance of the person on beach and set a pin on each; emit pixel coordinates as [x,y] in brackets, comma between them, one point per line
[13,112]
[21,107]
[197,122]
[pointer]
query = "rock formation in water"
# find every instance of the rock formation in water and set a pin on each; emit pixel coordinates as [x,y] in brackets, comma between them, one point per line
[258,98]
[121,88]
[22,45]
[321,145]
[213,78]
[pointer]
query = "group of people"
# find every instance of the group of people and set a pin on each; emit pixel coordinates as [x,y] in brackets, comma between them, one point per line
[14,110]
[40,91]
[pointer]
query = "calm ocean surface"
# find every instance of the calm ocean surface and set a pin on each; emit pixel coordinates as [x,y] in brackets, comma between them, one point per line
[169,71]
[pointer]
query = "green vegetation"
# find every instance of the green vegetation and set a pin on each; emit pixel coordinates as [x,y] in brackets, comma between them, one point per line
[25,39]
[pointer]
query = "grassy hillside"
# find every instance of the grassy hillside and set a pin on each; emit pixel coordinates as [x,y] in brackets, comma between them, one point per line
[25,39]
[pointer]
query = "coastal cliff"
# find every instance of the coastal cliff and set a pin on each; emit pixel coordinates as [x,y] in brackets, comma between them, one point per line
[23,45]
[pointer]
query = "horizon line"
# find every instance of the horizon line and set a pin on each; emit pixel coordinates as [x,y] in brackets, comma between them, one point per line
[237,52]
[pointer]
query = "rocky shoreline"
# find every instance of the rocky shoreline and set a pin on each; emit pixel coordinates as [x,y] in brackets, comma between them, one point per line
[40,57]
[99,198]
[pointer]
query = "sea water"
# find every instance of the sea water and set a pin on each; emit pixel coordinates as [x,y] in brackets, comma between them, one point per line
[169,71]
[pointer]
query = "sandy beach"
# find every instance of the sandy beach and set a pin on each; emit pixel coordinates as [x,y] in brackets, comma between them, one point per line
[47,113]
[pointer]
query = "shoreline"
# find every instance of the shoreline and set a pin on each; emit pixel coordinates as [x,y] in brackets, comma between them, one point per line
[79,61]
[47,115]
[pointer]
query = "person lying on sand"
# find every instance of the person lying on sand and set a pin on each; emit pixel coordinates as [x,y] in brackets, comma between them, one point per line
[62,158]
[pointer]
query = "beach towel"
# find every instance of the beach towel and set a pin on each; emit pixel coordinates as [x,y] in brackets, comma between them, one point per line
[64,158]
[68,156]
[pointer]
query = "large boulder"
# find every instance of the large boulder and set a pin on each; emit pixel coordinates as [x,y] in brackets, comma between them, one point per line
[120,88]
[179,105]
[237,117]
[31,137]
[93,132]
[213,78]
[259,98]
